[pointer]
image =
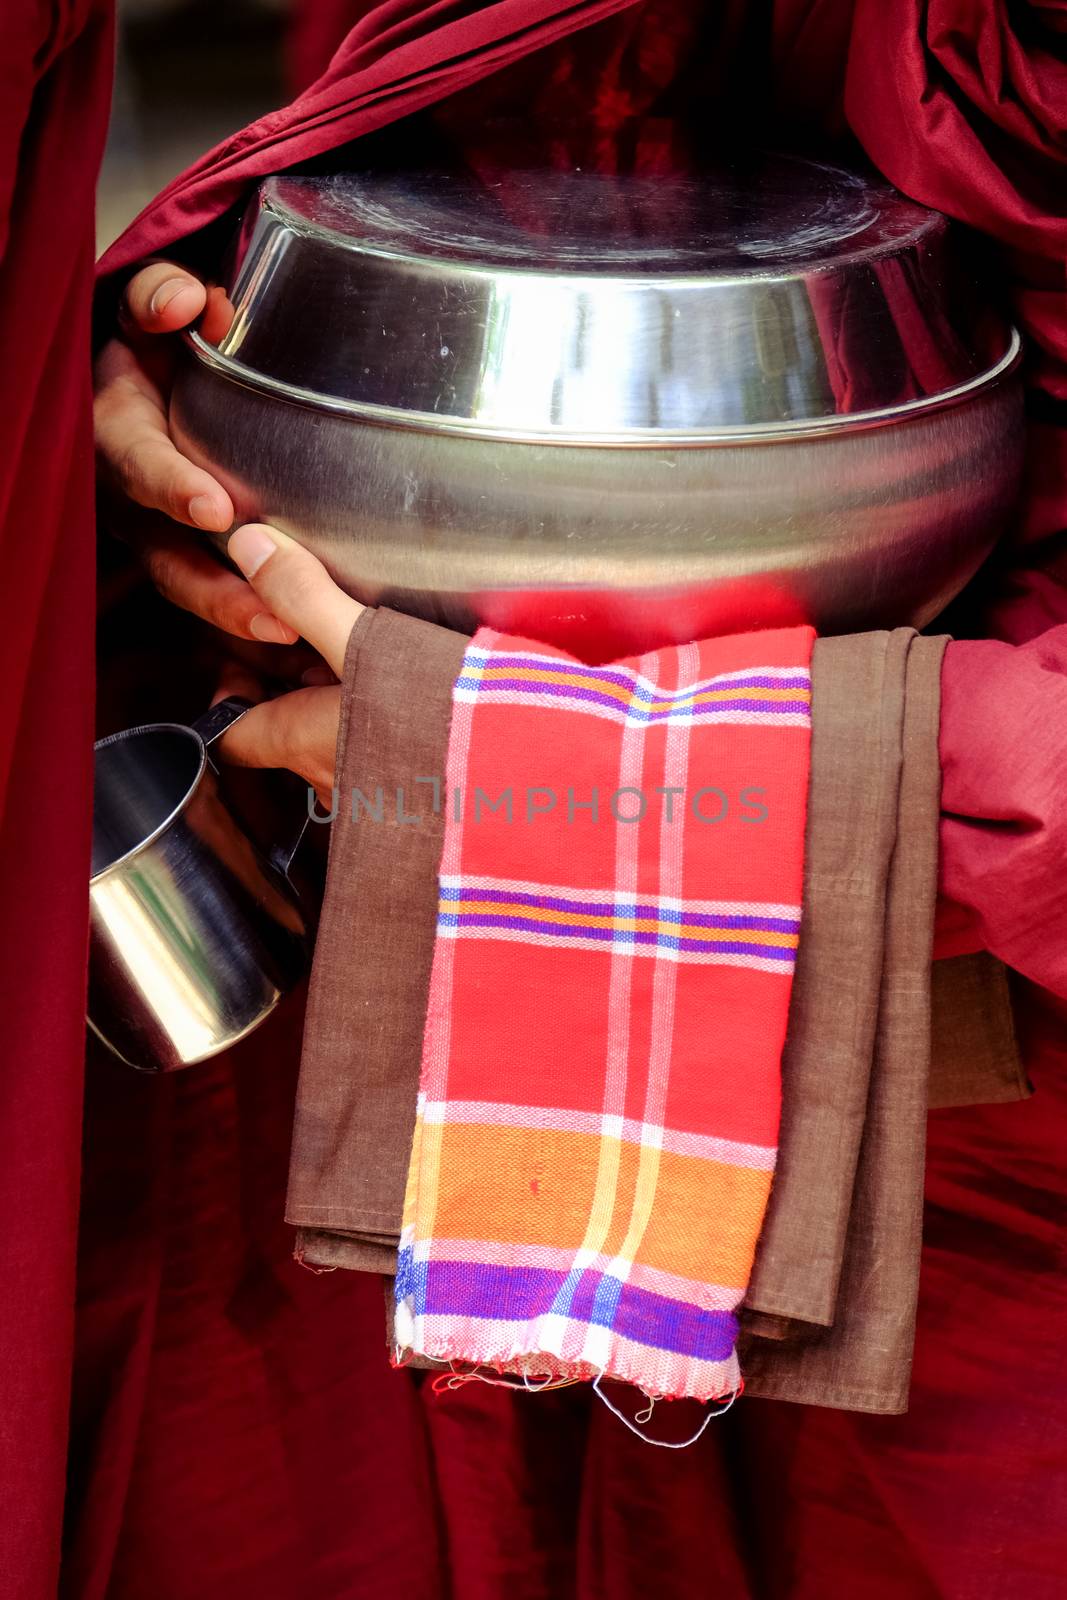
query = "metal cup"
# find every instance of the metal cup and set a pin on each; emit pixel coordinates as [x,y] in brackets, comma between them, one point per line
[195,934]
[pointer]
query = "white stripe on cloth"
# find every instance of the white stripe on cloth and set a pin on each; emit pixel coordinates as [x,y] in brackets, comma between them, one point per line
[664,989]
[551,1345]
[624,944]
[705,1147]
[617,1051]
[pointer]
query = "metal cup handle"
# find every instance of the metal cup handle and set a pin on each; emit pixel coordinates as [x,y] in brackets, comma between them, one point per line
[214,723]
[210,727]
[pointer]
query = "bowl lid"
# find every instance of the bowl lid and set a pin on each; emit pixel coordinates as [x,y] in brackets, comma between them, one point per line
[781,296]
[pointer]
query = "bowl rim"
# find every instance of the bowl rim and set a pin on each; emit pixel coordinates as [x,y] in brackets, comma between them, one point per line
[631,438]
[278,193]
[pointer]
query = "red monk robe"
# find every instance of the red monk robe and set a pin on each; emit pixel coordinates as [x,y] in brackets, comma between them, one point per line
[55,82]
[237,1432]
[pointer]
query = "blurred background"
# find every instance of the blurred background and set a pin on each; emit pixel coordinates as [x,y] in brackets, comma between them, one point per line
[191,72]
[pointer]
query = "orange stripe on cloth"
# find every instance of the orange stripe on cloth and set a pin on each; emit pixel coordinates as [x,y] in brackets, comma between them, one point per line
[541,1192]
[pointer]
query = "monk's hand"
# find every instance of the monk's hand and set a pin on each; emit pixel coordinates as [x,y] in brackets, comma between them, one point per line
[156,492]
[297,730]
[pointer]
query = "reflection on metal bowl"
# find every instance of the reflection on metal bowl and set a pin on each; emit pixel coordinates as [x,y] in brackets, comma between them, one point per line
[615,412]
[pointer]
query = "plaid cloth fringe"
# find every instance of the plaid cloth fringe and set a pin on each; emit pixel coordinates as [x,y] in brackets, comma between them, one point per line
[599,1101]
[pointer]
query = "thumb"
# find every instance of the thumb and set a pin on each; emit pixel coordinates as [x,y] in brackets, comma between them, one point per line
[297,589]
[162,298]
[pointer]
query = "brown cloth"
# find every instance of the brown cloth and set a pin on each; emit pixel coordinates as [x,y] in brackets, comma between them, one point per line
[837,1268]
[832,1301]
[359,1076]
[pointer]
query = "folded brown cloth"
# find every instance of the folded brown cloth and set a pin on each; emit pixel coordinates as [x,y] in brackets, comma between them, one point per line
[831,1306]
[974,1054]
[837,1269]
[359,1075]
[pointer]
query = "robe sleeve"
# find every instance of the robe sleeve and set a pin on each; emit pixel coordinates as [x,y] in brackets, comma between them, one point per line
[1003,873]
[55,76]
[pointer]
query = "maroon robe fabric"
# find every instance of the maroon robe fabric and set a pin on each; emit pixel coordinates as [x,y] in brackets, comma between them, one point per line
[236,1431]
[314,29]
[55,76]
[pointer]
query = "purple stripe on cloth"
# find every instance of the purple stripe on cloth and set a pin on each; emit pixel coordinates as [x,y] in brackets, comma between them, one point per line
[522,1294]
[563,691]
[506,1294]
[625,680]
[685,919]
[663,941]
[650,1319]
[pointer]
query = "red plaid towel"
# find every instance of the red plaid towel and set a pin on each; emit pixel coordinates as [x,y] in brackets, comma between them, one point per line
[619,917]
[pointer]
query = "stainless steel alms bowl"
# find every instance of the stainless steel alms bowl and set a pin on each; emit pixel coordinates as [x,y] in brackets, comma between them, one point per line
[615,412]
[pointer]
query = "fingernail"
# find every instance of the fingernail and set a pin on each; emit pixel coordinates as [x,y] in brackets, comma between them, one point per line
[317,678]
[249,547]
[165,294]
[206,514]
[270,630]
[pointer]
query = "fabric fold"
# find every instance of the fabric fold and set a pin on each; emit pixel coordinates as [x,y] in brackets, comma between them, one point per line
[852,835]
[860,1192]
[359,1078]
[972,1031]
[355,1104]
